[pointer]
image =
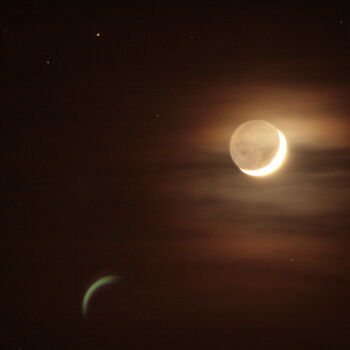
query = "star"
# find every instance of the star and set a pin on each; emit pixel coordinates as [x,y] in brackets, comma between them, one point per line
[47,62]
[341,21]
[98,34]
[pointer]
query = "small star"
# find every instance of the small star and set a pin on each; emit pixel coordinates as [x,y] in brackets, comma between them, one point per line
[157,115]
[341,21]
[98,34]
[47,62]
[291,259]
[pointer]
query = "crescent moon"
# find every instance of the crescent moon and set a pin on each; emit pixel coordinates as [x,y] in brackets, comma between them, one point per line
[93,288]
[276,161]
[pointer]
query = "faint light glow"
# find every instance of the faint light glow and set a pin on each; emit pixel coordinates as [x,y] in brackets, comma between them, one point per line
[93,288]
[275,162]
[47,62]
[98,34]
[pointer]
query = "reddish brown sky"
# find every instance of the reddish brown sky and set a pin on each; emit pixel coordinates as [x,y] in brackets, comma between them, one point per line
[115,161]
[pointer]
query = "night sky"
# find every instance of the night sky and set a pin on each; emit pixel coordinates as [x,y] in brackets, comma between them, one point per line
[115,161]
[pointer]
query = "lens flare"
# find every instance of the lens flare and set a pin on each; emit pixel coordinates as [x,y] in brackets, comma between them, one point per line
[93,288]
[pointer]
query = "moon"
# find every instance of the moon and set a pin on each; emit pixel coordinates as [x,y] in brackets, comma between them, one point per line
[258,148]
[103,281]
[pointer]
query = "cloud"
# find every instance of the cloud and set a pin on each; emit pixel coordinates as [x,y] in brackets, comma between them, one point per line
[312,115]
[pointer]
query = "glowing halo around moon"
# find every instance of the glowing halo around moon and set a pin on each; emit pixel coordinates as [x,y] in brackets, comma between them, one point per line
[258,148]
[93,289]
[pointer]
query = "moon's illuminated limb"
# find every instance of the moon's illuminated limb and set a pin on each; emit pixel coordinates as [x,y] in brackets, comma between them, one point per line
[93,288]
[276,161]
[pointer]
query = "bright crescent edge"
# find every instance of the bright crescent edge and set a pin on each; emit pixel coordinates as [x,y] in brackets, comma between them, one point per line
[275,162]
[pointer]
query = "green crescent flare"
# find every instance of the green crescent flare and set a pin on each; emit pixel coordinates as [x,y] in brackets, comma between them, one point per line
[94,287]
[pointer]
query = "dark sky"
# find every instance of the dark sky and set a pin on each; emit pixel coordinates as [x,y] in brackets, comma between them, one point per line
[115,161]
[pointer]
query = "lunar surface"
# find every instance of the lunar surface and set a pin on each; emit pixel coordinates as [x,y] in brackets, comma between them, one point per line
[258,148]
